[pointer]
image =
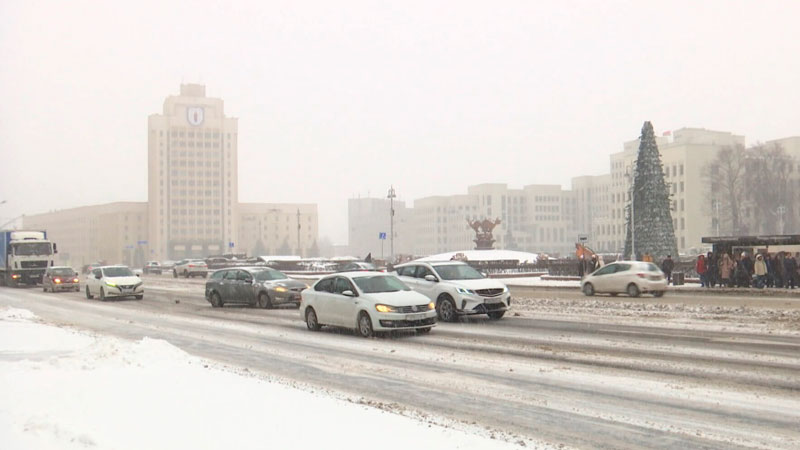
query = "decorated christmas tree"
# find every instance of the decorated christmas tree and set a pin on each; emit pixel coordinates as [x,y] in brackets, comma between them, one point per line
[652,232]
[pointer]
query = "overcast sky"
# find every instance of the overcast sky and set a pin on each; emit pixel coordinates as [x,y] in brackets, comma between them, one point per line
[340,99]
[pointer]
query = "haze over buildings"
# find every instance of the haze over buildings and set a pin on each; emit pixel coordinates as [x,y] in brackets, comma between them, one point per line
[337,100]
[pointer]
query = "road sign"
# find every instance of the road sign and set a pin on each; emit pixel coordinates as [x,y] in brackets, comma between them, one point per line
[230,244]
[382,235]
[583,237]
[141,242]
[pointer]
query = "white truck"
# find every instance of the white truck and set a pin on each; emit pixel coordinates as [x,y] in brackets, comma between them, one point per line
[25,254]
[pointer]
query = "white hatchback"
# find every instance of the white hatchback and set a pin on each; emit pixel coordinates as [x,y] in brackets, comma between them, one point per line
[113,281]
[629,277]
[367,301]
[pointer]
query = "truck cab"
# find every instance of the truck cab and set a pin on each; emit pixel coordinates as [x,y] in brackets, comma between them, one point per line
[26,255]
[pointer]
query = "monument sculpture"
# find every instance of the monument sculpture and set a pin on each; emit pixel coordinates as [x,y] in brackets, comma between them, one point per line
[483,233]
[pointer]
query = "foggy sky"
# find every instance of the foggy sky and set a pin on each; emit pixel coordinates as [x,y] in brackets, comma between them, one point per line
[340,99]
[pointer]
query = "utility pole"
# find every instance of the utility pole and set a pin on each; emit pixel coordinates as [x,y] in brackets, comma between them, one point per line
[299,251]
[391,198]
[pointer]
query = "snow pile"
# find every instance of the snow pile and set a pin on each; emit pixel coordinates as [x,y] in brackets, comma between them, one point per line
[486,255]
[65,390]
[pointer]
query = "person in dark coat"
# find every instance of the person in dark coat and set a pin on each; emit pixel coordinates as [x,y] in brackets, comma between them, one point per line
[581,266]
[712,272]
[780,280]
[789,268]
[769,260]
[666,266]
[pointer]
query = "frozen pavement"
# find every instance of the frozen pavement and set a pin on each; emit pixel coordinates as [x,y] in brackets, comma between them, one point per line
[64,389]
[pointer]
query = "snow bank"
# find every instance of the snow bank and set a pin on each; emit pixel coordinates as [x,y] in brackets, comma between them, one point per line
[485,255]
[63,390]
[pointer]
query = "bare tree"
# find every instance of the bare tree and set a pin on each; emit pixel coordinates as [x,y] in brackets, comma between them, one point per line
[725,178]
[768,196]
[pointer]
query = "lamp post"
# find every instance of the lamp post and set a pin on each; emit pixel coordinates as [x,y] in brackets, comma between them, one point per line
[715,205]
[630,174]
[391,196]
[781,211]
[299,250]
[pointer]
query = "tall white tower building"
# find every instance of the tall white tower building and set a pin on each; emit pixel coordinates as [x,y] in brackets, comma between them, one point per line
[192,177]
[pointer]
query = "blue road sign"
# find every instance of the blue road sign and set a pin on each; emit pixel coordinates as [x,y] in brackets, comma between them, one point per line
[382,235]
[141,242]
[230,244]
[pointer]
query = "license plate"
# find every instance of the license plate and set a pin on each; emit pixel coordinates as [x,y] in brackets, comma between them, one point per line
[415,316]
[493,300]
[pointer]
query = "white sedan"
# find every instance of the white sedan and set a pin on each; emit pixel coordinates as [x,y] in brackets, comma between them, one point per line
[368,302]
[629,277]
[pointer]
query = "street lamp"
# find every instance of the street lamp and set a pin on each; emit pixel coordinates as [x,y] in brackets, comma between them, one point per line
[631,175]
[781,211]
[391,196]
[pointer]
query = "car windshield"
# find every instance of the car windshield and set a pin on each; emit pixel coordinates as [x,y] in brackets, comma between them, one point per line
[457,272]
[117,272]
[62,272]
[32,248]
[267,275]
[380,283]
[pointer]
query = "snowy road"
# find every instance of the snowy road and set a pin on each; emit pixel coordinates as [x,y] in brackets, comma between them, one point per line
[599,372]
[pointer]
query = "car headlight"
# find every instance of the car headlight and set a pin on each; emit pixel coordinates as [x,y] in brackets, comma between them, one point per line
[465,291]
[385,308]
[138,284]
[431,306]
[281,289]
[108,283]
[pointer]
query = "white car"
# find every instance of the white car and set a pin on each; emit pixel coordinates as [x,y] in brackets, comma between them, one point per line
[113,281]
[367,301]
[190,268]
[456,288]
[630,277]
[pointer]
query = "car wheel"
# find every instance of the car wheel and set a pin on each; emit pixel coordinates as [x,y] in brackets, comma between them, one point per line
[495,315]
[365,325]
[88,294]
[186,274]
[311,320]
[102,295]
[633,290]
[216,300]
[425,330]
[264,301]
[446,309]
[174,274]
[658,294]
[588,289]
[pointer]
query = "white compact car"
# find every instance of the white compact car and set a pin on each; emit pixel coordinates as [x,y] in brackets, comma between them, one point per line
[190,268]
[456,288]
[113,281]
[629,277]
[367,301]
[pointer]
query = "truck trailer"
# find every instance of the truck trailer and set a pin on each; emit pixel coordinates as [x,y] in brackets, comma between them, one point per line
[26,254]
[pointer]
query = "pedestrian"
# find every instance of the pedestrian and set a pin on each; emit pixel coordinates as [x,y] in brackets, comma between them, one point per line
[700,268]
[581,266]
[666,266]
[789,268]
[780,278]
[769,262]
[760,270]
[712,271]
[725,270]
[744,271]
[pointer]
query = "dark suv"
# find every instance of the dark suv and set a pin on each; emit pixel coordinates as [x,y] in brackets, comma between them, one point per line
[262,287]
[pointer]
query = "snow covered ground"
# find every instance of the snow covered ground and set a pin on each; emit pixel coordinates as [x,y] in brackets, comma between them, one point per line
[65,389]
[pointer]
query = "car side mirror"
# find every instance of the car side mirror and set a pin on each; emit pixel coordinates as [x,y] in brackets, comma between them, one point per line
[98,276]
[431,278]
[249,281]
[349,293]
[55,248]
[138,275]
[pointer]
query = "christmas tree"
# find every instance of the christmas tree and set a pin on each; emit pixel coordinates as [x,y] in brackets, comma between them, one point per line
[652,230]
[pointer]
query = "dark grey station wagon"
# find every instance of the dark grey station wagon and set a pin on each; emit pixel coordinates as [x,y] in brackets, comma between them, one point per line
[262,287]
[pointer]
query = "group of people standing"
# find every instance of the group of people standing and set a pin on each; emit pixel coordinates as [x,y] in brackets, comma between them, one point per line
[778,270]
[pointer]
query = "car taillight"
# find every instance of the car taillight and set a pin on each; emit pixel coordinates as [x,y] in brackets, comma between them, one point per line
[641,275]
[57,280]
[191,265]
[74,280]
